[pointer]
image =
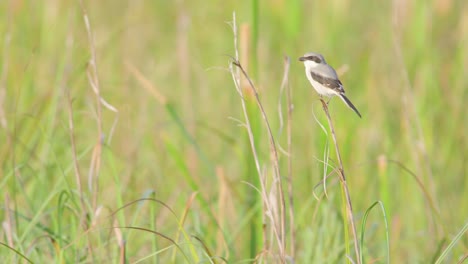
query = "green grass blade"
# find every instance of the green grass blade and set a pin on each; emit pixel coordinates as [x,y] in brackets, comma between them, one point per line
[452,244]
[363,228]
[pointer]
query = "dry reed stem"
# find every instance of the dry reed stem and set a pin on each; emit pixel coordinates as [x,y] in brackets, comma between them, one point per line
[146,84]
[349,207]
[93,80]
[76,167]
[462,259]
[120,242]
[71,128]
[279,231]
[235,73]
[188,205]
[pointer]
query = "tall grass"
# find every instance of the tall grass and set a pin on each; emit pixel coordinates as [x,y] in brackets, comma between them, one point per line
[272,194]
[118,142]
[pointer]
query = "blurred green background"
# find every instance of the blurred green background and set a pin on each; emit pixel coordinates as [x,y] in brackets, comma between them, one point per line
[403,63]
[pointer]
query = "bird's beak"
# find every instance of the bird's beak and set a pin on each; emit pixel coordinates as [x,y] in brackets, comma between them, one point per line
[302,58]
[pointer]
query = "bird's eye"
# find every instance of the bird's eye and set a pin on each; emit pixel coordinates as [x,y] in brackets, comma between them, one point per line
[315,59]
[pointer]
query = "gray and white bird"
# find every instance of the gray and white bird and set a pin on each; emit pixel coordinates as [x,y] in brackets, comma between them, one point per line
[324,78]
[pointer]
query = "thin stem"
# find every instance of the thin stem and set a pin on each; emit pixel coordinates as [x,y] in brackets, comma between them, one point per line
[93,80]
[285,86]
[349,207]
[275,159]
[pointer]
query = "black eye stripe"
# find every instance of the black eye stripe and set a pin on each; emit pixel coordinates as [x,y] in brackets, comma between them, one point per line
[315,59]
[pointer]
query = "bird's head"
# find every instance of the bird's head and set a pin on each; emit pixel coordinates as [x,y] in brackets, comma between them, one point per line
[312,59]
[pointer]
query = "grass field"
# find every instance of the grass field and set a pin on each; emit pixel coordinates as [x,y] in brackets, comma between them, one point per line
[123,138]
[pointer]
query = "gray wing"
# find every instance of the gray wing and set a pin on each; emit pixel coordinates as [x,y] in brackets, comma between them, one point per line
[327,76]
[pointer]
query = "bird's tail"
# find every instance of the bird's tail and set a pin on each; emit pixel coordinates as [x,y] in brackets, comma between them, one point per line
[349,104]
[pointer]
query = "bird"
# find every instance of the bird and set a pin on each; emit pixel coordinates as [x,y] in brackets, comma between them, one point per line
[324,78]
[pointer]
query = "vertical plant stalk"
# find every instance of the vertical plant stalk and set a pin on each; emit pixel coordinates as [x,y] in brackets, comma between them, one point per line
[76,167]
[257,236]
[278,228]
[274,153]
[285,86]
[292,229]
[93,80]
[71,128]
[344,185]
[121,243]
